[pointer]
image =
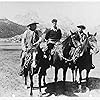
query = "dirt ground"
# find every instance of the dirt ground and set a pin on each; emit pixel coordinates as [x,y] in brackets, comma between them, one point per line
[12,85]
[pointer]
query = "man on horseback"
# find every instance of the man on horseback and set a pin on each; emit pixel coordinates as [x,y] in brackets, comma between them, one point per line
[79,50]
[78,39]
[81,33]
[53,36]
[29,37]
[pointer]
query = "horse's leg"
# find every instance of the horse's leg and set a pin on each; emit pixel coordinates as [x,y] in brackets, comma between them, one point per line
[80,79]
[87,77]
[26,76]
[56,73]
[64,78]
[73,75]
[76,74]
[31,82]
[64,73]
[40,92]
[44,80]
[56,78]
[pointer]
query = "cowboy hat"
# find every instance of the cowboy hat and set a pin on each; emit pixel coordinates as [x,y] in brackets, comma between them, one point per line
[34,23]
[54,20]
[82,27]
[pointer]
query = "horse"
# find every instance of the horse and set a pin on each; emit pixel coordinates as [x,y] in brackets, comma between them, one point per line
[35,63]
[85,61]
[44,64]
[58,62]
[30,67]
[68,48]
[61,58]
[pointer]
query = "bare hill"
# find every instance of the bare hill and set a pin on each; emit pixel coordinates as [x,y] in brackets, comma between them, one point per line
[10,29]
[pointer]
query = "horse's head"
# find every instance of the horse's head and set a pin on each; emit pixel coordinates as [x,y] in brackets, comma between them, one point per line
[93,42]
[67,44]
[75,35]
[75,38]
[68,41]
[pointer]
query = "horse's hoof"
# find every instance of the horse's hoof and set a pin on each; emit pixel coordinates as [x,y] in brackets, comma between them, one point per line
[31,94]
[40,94]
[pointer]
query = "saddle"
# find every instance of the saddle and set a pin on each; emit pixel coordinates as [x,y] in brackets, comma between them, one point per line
[28,59]
[28,56]
[43,46]
[58,48]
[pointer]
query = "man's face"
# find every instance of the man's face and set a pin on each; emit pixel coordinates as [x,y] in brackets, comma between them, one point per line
[80,30]
[54,24]
[33,27]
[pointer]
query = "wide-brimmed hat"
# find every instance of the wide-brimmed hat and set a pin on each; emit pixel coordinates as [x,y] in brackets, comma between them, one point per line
[54,20]
[82,27]
[34,23]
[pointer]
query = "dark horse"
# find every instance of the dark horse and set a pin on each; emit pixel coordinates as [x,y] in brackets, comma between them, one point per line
[35,63]
[85,61]
[62,59]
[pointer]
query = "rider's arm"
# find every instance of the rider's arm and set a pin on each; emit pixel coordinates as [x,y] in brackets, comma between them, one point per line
[47,34]
[59,34]
[40,39]
[23,41]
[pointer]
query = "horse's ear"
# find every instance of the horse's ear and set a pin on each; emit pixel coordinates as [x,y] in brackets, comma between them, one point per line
[88,34]
[71,32]
[95,34]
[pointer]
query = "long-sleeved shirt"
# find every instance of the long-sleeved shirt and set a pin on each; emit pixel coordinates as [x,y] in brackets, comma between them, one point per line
[54,34]
[28,38]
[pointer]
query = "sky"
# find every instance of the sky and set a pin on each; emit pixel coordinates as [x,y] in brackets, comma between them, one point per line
[87,13]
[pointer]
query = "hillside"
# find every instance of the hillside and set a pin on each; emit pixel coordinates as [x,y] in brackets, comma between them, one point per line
[10,29]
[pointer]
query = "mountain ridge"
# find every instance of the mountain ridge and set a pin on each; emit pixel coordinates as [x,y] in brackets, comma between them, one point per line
[10,29]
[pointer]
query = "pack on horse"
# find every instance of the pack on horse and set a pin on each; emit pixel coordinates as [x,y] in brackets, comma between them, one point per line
[85,61]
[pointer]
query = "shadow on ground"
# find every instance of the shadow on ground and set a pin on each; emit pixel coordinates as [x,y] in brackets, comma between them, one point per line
[94,83]
[69,89]
[61,88]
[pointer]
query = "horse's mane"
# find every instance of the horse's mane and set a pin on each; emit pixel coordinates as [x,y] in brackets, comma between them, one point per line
[66,41]
[85,45]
